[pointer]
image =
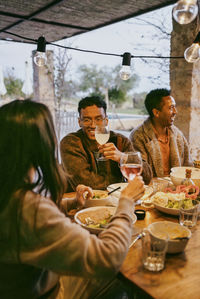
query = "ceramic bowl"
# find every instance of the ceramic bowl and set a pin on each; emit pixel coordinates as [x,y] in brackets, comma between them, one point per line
[178,235]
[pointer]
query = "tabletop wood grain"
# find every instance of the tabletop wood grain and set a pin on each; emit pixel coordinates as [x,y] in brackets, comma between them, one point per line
[180,279]
[181,275]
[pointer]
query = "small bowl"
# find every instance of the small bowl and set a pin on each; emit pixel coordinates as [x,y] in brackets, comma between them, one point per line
[178,235]
[101,198]
[196,163]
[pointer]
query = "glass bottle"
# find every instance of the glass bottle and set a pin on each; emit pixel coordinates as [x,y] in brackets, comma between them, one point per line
[187,180]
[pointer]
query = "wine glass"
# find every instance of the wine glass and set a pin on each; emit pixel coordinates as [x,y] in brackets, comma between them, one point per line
[131,165]
[102,134]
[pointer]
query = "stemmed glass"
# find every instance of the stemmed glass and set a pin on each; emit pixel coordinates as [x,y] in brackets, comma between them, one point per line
[102,134]
[131,165]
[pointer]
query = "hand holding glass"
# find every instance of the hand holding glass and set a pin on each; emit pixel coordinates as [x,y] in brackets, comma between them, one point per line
[102,135]
[131,165]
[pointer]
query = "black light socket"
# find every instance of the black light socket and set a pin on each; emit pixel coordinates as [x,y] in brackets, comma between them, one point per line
[126,59]
[41,44]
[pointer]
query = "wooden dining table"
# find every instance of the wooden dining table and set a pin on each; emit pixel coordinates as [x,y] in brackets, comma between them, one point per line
[181,276]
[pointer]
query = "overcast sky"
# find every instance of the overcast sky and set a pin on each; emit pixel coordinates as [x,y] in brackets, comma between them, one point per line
[126,36]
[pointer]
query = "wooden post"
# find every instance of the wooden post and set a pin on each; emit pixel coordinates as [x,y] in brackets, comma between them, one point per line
[43,83]
[185,85]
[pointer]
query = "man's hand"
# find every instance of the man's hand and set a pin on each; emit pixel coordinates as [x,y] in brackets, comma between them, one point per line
[110,151]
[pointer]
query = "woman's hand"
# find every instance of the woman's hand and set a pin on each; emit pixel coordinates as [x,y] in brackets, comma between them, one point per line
[82,194]
[134,190]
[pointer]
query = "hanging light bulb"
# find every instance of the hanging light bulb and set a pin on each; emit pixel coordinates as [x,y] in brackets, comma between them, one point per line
[185,11]
[125,71]
[192,54]
[40,57]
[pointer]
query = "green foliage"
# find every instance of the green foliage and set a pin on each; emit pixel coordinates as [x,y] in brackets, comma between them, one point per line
[99,81]
[13,84]
[117,96]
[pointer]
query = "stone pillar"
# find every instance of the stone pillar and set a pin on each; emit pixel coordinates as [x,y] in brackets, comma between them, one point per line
[185,85]
[43,83]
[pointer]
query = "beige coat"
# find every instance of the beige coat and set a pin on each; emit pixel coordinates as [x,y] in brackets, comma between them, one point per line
[45,244]
[145,141]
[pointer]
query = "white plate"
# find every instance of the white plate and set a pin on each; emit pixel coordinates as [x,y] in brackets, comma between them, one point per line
[95,209]
[147,193]
[114,186]
[165,210]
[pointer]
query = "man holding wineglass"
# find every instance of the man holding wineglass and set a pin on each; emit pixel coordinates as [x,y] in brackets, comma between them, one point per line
[79,149]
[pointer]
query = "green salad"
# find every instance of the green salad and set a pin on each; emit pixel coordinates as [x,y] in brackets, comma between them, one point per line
[185,204]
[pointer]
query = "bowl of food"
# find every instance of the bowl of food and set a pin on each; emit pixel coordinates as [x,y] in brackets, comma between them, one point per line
[196,163]
[100,198]
[178,235]
[177,175]
[96,219]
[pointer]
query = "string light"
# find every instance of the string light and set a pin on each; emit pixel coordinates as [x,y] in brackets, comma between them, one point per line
[125,71]
[192,54]
[185,11]
[40,57]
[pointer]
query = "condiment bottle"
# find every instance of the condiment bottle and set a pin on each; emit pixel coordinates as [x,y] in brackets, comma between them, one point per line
[187,180]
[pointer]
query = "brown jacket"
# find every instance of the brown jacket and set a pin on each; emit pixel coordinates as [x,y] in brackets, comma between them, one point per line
[77,153]
[145,141]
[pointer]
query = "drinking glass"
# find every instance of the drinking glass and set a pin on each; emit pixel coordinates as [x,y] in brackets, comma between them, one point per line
[102,134]
[131,164]
[154,250]
[188,217]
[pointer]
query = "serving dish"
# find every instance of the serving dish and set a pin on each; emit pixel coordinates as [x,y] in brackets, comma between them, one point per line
[170,211]
[178,235]
[97,214]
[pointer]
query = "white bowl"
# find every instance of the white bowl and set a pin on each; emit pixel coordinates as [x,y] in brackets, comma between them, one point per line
[177,175]
[174,230]
[101,198]
[97,212]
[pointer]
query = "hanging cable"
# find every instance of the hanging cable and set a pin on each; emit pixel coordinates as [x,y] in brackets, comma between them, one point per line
[94,52]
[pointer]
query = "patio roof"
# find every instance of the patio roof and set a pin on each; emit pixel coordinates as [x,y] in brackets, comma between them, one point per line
[61,19]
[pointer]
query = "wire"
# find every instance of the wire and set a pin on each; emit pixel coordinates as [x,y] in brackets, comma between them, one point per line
[91,51]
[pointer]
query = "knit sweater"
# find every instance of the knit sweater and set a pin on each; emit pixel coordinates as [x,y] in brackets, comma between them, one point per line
[145,141]
[78,160]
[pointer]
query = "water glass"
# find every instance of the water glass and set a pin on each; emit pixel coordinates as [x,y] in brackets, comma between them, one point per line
[154,251]
[188,217]
[159,185]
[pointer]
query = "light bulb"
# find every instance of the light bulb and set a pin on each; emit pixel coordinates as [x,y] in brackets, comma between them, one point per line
[191,54]
[185,11]
[125,72]
[40,59]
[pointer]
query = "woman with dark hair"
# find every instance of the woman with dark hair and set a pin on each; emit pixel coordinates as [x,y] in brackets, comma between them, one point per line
[38,243]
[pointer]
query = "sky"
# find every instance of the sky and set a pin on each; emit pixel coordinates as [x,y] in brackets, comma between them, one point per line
[127,36]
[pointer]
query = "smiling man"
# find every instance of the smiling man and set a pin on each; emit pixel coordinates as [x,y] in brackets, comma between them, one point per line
[78,150]
[161,143]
